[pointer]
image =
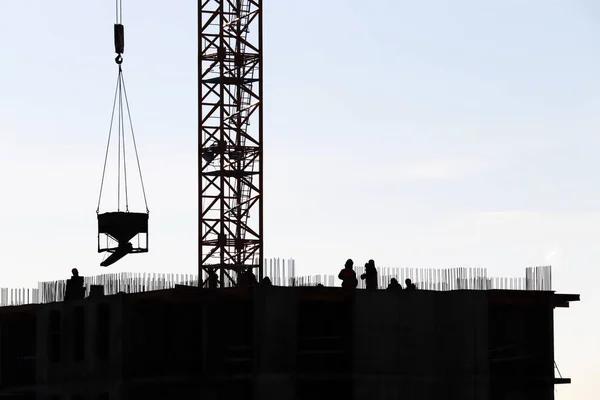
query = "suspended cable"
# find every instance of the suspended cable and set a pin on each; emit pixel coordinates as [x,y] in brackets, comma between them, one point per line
[112,116]
[120,117]
[118,12]
[121,227]
[134,142]
[119,49]
[125,171]
[121,124]
[124,153]
[120,93]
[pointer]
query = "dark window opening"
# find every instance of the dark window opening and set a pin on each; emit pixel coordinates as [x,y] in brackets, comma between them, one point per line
[103,332]
[55,336]
[520,355]
[324,389]
[324,337]
[239,351]
[18,350]
[79,339]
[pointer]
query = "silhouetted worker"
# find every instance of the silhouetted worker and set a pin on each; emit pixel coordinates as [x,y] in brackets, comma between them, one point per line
[348,276]
[247,278]
[266,281]
[251,277]
[213,278]
[370,275]
[75,289]
[394,285]
[409,285]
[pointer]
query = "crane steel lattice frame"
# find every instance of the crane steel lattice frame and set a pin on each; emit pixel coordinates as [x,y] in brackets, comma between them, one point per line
[230,149]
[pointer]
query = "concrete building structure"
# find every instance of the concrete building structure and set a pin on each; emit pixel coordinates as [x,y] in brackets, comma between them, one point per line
[283,343]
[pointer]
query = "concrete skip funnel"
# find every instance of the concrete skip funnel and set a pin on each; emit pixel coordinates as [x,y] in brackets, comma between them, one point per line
[119,228]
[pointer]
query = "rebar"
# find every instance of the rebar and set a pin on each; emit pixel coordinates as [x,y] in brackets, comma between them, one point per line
[283,273]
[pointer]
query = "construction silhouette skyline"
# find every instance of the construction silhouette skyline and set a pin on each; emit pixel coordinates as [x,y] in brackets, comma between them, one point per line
[241,329]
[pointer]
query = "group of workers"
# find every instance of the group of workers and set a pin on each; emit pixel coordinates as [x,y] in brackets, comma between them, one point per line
[76,290]
[246,279]
[349,280]
[347,275]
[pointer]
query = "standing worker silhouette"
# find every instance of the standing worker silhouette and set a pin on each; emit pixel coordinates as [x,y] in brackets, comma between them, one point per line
[247,278]
[348,276]
[213,278]
[370,275]
[75,289]
[266,281]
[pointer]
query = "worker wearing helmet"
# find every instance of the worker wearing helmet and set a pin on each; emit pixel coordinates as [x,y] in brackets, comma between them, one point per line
[348,276]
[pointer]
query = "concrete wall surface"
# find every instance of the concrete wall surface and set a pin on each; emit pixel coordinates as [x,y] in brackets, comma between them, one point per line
[275,326]
[298,343]
[275,387]
[90,368]
[425,343]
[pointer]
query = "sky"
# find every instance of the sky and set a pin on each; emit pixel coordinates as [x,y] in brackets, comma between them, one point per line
[423,134]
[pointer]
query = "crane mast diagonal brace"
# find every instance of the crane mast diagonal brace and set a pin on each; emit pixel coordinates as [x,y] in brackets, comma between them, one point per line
[230,148]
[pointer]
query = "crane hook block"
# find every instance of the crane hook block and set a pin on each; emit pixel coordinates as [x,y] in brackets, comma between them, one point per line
[119,39]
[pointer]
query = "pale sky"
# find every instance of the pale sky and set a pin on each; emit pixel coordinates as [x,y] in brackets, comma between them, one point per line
[424,134]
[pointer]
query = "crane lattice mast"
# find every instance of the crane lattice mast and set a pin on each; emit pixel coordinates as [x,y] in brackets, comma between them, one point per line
[230,161]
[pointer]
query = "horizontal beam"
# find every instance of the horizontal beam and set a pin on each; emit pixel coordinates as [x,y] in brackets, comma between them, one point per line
[563,300]
[562,381]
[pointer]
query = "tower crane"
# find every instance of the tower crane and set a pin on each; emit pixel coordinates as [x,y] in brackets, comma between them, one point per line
[230,145]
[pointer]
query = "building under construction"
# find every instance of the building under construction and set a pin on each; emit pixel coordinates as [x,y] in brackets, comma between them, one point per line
[458,336]
[281,342]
